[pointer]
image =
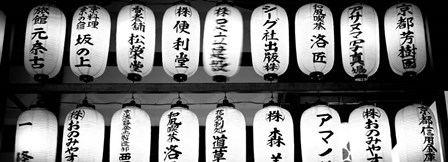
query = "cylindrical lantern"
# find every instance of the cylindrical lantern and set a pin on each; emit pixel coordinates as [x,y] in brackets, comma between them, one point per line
[179,135]
[269,38]
[36,136]
[223,42]
[2,32]
[136,34]
[369,131]
[416,133]
[273,133]
[225,134]
[320,134]
[360,41]
[181,33]
[314,40]
[345,142]
[130,134]
[404,31]
[44,42]
[89,46]
[83,137]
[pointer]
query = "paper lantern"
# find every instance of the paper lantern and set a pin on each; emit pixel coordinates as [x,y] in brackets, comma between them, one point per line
[225,134]
[273,134]
[2,32]
[181,34]
[370,138]
[44,42]
[179,135]
[345,142]
[89,46]
[314,40]
[83,137]
[130,134]
[405,39]
[360,41]
[36,136]
[320,134]
[223,42]
[269,37]
[416,133]
[136,34]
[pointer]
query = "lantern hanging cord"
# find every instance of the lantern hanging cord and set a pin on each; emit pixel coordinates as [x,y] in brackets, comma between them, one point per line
[272,91]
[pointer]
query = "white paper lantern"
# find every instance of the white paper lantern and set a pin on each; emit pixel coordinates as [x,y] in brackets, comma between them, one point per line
[225,134]
[360,41]
[223,42]
[136,34]
[44,42]
[314,40]
[181,34]
[370,138]
[89,46]
[179,135]
[404,31]
[269,37]
[36,136]
[2,32]
[273,133]
[130,134]
[416,133]
[83,137]
[345,142]
[320,134]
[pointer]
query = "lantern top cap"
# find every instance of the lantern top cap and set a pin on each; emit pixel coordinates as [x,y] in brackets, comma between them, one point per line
[181,2]
[228,2]
[226,102]
[132,103]
[271,103]
[85,103]
[179,104]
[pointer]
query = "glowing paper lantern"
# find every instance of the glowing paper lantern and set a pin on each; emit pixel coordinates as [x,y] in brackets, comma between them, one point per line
[370,138]
[405,39]
[44,42]
[416,133]
[181,33]
[314,40]
[273,134]
[179,135]
[36,135]
[269,39]
[223,42]
[360,41]
[89,46]
[225,134]
[2,32]
[345,142]
[136,34]
[83,135]
[320,134]
[130,134]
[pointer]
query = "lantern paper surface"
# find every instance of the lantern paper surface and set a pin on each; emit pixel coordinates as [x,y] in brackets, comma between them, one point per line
[345,142]
[136,33]
[36,136]
[269,37]
[89,46]
[273,135]
[225,135]
[83,137]
[314,38]
[370,138]
[178,136]
[130,135]
[181,33]
[44,41]
[223,41]
[2,32]
[360,41]
[320,135]
[416,133]
[405,38]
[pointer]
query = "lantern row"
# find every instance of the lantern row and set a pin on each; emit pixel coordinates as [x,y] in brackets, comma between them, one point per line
[223,40]
[365,137]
